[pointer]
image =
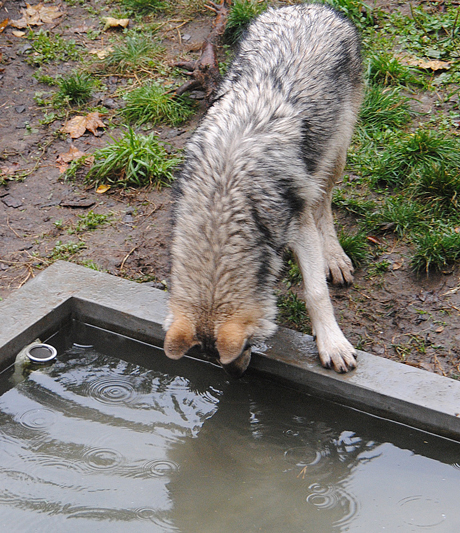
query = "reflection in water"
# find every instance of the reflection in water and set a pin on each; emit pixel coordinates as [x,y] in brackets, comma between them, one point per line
[95,442]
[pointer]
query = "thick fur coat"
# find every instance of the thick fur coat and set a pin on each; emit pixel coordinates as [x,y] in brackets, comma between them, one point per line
[257,178]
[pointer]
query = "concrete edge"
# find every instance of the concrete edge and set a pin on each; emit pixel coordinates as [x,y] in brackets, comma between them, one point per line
[378,385]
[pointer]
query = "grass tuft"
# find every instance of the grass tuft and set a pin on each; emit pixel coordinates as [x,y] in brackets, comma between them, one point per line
[292,309]
[143,7]
[138,51]
[133,161]
[416,154]
[49,47]
[355,246]
[385,69]
[152,104]
[436,249]
[384,109]
[74,89]
[240,16]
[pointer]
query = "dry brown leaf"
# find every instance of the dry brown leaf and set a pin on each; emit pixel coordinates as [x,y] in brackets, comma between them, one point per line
[4,24]
[397,264]
[17,33]
[102,189]
[429,64]
[93,122]
[101,53]
[77,126]
[37,15]
[9,171]
[64,159]
[111,22]
[374,240]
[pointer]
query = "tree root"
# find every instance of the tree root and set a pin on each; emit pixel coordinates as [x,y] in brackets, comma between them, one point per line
[204,72]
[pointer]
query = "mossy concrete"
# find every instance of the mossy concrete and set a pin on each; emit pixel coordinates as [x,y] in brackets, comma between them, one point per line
[378,386]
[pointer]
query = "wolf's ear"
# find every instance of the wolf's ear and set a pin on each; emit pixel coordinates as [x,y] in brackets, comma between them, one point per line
[179,338]
[231,340]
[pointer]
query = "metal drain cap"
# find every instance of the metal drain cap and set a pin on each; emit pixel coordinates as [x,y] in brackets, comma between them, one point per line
[41,353]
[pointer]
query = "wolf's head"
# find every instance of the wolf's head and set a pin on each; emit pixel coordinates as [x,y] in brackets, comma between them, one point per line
[228,340]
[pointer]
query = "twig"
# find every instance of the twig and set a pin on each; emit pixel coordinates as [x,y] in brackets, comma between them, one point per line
[8,224]
[126,257]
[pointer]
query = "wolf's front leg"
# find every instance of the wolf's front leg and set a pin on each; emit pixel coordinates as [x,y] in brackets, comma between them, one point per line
[334,349]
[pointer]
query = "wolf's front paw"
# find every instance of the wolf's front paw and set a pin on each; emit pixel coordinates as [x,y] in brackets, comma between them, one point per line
[337,353]
[339,268]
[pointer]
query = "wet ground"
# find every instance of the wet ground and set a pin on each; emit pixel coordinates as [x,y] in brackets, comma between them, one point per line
[395,314]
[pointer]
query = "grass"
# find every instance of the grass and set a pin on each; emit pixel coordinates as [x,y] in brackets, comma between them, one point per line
[133,161]
[91,221]
[48,47]
[398,214]
[291,309]
[239,17]
[385,69]
[64,251]
[436,249]
[414,155]
[359,12]
[144,7]
[384,109]
[355,246]
[75,89]
[151,103]
[138,51]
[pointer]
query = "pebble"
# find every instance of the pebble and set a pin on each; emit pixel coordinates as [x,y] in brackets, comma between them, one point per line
[9,201]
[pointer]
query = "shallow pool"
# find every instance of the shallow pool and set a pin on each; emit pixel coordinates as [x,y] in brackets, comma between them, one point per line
[115,436]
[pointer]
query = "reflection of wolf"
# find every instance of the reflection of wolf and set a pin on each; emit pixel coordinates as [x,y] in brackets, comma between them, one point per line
[257,178]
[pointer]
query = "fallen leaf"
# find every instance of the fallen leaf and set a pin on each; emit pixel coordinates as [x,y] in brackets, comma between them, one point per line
[440,329]
[77,126]
[373,240]
[93,122]
[111,22]
[83,29]
[429,64]
[37,15]
[397,265]
[64,159]
[4,24]
[102,189]
[101,53]
[9,171]
[17,33]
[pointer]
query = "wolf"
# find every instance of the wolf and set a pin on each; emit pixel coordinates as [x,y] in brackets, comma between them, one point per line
[257,178]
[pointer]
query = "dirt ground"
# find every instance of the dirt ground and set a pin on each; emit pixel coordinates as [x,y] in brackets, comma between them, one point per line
[395,314]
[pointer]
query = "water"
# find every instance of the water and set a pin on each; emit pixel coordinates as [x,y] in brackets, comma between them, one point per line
[138,443]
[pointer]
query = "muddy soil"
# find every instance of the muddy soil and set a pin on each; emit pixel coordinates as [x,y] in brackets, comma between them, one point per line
[395,314]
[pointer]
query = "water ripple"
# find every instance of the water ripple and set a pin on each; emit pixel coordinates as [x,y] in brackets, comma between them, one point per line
[111,390]
[102,459]
[160,468]
[422,512]
[38,419]
[333,497]
[302,456]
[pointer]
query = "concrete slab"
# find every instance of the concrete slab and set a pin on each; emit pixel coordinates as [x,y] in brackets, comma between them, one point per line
[378,386]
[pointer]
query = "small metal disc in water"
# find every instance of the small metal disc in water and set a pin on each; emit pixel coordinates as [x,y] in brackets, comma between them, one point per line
[41,353]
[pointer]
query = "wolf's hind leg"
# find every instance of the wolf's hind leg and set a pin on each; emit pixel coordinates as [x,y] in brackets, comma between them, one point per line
[338,266]
[334,349]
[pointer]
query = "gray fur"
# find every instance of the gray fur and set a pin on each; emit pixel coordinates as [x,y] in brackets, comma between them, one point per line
[258,176]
